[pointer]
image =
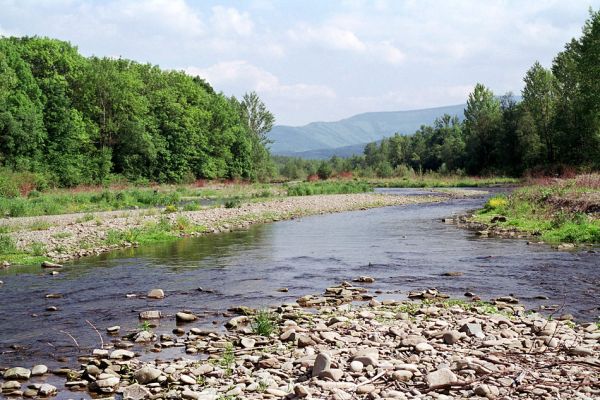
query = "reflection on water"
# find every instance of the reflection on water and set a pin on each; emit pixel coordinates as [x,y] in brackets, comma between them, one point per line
[404,248]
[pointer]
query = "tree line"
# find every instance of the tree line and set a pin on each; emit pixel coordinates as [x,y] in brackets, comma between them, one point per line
[555,123]
[79,120]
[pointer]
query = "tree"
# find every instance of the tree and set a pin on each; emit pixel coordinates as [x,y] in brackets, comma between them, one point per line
[482,120]
[539,99]
[259,121]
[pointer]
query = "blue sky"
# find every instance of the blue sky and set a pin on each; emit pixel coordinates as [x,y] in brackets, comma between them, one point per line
[319,60]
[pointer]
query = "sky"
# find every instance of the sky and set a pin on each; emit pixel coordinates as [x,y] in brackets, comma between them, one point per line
[316,60]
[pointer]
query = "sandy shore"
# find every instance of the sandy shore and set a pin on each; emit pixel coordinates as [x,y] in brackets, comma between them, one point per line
[68,236]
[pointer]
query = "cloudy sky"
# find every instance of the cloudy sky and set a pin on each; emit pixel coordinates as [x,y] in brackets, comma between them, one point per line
[319,60]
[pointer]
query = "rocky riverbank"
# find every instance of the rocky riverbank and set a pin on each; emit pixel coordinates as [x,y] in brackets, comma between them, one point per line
[343,344]
[67,237]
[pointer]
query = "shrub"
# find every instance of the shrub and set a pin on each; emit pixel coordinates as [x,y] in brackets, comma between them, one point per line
[7,245]
[37,249]
[233,203]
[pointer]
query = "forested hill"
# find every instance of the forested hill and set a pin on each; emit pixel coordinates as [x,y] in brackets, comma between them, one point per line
[79,120]
[358,129]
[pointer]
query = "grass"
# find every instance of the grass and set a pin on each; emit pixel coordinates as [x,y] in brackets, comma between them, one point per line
[328,187]
[433,180]
[559,211]
[264,323]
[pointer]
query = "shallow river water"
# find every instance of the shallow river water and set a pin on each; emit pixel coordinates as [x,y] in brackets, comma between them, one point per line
[403,248]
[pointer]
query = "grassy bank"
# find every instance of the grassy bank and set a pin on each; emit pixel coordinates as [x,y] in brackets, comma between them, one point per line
[328,187]
[441,181]
[96,199]
[557,210]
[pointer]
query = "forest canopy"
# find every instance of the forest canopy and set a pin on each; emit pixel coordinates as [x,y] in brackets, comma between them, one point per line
[77,120]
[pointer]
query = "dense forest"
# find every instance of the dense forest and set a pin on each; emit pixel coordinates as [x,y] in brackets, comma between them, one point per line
[556,123]
[74,120]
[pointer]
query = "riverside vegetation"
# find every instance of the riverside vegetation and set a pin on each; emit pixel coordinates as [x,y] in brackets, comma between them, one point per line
[555,210]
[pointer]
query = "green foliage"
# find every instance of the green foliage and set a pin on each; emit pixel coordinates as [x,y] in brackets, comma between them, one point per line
[37,248]
[234,202]
[145,326]
[7,244]
[329,187]
[82,120]
[264,323]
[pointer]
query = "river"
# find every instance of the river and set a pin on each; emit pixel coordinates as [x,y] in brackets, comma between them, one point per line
[403,248]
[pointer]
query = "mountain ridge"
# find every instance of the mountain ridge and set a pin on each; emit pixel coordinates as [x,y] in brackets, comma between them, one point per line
[357,129]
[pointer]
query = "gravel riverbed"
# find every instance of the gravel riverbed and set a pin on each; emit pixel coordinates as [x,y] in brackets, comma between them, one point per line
[67,237]
[343,344]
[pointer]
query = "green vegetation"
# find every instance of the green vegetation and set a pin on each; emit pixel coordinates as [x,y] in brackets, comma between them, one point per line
[264,323]
[68,120]
[328,187]
[560,210]
[435,180]
[145,326]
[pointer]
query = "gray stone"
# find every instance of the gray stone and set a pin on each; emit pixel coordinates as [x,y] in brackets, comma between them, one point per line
[301,391]
[333,374]
[187,380]
[113,329]
[473,329]
[247,343]
[150,314]
[46,389]
[39,369]
[356,366]
[48,264]
[17,373]
[423,348]
[146,374]
[322,363]
[156,294]
[121,353]
[135,392]
[452,337]
[441,377]
[402,376]
[185,317]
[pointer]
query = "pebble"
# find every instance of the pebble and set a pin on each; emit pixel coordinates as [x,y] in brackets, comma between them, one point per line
[185,317]
[322,363]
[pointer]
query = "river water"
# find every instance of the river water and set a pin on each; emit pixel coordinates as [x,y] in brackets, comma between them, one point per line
[403,248]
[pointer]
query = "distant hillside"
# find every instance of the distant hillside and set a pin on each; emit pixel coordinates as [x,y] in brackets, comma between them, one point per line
[356,130]
[322,154]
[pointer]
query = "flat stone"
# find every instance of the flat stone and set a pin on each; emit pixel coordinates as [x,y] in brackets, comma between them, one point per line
[364,389]
[305,341]
[322,363]
[423,348]
[121,354]
[17,373]
[11,385]
[49,264]
[473,329]
[156,294]
[402,376]
[301,391]
[136,392]
[39,369]
[333,374]
[109,382]
[150,314]
[452,337]
[247,343]
[185,317]
[412,340]
[113,329]
[441,377]
[187,380]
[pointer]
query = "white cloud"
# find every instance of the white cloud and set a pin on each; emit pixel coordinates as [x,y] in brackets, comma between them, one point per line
[228,20]
[243,74]
[327,36]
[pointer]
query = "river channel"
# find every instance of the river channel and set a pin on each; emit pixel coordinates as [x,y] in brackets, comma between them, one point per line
[404,248]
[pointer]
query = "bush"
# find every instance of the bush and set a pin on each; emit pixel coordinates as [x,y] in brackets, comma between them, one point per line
[233,203]
[7,245]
